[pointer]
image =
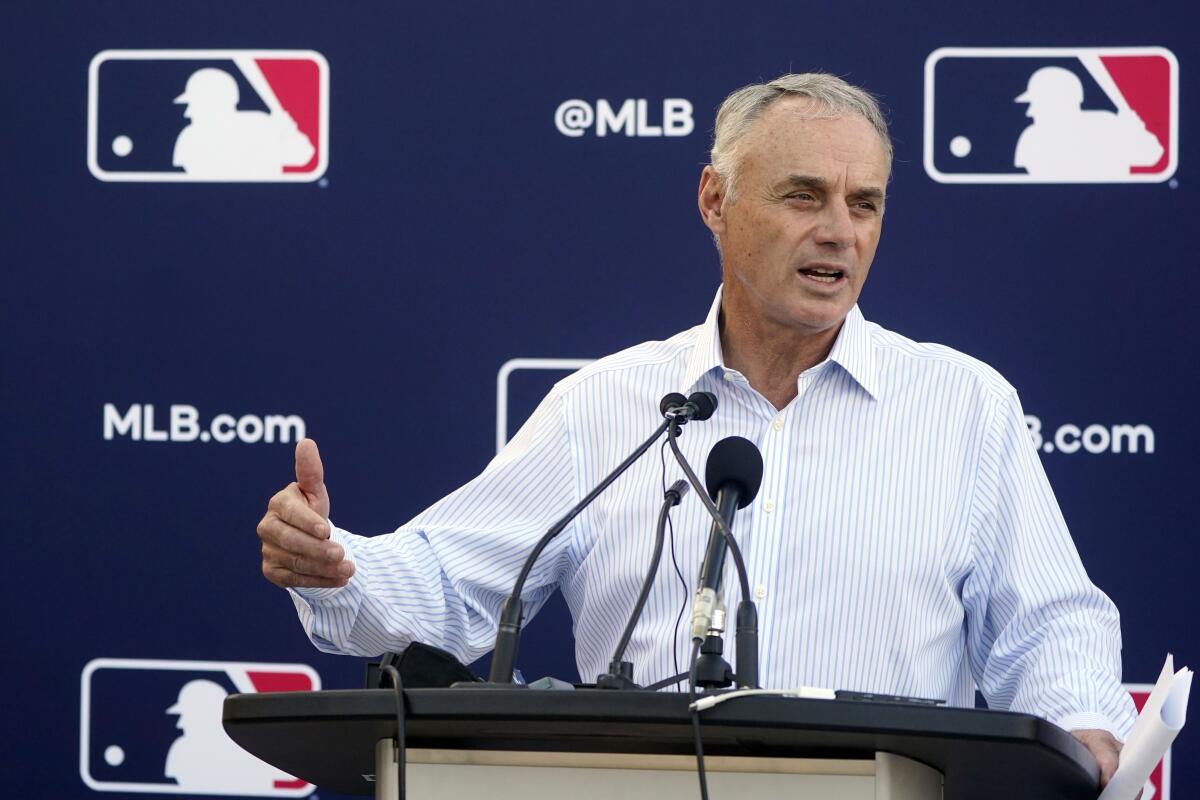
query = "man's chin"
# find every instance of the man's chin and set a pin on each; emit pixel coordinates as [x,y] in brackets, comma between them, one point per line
[817,317]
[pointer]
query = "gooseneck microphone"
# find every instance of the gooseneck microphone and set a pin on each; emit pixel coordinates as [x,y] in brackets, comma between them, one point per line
[677,410]
[732,476]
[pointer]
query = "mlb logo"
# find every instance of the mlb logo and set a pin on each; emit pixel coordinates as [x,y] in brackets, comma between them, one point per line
[521,384]
[208,115]
[1051,115]
[154,726]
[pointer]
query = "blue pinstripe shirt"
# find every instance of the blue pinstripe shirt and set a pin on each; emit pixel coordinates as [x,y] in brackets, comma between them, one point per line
[905,539]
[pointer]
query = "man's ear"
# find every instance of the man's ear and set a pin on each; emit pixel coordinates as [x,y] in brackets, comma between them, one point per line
[711,200]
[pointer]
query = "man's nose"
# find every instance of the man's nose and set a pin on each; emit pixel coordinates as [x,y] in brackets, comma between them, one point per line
[836,228]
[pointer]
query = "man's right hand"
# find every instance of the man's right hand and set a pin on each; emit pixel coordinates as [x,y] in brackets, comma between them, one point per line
[296,551]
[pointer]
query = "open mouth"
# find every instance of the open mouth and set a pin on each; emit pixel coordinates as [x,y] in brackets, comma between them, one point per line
[822,275]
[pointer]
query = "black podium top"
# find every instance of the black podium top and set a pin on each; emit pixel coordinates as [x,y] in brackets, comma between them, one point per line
[328,738]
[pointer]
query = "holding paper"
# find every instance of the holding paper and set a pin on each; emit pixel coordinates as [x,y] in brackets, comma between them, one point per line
[1157,726]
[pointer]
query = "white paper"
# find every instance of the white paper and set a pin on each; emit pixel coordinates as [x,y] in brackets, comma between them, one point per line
[1157,726]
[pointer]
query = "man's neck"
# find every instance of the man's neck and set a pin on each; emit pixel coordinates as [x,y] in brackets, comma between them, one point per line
[772,356]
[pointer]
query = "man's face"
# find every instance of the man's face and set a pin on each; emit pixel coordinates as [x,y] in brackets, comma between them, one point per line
[799,236]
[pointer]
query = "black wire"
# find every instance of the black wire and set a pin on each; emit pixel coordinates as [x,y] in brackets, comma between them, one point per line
[696,721]
[665,682]
[683,607]
[398,692]
[662,456]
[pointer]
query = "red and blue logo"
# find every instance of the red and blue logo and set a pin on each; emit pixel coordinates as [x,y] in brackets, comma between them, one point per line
[154,726]
[1051,115]
[1158,787]
[208,115]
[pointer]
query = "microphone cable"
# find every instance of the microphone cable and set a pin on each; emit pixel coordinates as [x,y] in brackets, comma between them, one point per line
[695,714]
[399,749]
[687,592]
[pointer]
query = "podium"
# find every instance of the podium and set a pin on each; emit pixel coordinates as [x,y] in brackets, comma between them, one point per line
[526,743]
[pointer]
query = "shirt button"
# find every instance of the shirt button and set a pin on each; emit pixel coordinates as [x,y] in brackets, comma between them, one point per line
[760,592]
[777,424]
[728,376]
[769,506]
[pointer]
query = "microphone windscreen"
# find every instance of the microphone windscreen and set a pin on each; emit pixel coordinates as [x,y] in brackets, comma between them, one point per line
[673,400]
[734,460]
[705,403]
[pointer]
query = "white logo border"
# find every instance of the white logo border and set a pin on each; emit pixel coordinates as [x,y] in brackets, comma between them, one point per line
[511,366]
[85,708]
[179,55]
[1046,52]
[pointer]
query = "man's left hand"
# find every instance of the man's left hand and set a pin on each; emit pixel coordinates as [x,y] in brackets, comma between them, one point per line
[1106,749]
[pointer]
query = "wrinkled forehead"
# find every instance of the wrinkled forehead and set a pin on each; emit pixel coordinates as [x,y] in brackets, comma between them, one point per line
[797,134]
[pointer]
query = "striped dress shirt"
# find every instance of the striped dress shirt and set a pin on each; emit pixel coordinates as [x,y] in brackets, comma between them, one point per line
[905,539]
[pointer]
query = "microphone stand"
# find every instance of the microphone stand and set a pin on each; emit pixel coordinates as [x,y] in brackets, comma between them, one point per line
[504,655]
[620,672]
[712,670]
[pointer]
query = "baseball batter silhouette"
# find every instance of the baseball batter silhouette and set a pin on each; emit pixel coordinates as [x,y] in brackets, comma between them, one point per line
[223,143]
[204,759]
[1067,142]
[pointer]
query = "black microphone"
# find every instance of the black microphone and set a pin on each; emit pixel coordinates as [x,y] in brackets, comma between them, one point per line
[671,404]
[703,405]
[504,654]
[699,406]
[733,475]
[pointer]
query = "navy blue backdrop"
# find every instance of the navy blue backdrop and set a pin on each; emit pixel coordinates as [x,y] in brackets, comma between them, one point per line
[371,297]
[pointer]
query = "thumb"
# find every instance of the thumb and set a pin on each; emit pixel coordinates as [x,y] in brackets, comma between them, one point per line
[310,475]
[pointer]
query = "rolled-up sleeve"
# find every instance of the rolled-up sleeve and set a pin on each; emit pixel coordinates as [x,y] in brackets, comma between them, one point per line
[441,578]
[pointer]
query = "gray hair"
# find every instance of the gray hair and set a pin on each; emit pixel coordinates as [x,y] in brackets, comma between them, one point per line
[832,96]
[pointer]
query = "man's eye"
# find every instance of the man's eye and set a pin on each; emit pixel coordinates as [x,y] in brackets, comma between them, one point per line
[866,205]
[800,196]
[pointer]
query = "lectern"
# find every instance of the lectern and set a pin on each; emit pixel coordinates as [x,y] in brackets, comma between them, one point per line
[583,744]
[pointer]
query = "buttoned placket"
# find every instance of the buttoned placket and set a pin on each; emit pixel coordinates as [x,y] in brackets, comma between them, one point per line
[769,531]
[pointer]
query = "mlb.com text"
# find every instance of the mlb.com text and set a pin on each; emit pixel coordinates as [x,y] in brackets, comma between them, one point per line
[1096,439]
[182,423]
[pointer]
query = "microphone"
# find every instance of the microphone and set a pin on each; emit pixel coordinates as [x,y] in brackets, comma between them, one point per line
[733,475]
[671,404]
[703,405]
[699,406]
[504,655]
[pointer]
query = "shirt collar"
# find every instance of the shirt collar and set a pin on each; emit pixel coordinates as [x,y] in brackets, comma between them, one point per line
[853,350]
[706,353]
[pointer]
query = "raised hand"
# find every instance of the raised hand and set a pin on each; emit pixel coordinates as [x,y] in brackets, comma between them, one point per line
[296,551]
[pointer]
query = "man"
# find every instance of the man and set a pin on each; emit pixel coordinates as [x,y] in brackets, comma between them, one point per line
[904,540]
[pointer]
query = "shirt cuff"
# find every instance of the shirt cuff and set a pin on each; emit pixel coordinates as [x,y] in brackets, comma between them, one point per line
[1089,720]
[319,594]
